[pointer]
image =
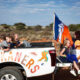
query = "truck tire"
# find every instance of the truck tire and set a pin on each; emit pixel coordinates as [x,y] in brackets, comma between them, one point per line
[10,73]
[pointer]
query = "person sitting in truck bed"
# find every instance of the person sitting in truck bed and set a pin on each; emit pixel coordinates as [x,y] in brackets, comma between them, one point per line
[3,43]
[24,43]
[10,41]
[77,41]
[16,40]
[13,41]
[70,57]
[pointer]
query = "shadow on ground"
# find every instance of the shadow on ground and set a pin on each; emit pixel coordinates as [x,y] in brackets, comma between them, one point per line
[65,75]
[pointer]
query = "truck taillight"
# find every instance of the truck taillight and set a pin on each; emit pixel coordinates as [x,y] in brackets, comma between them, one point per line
[53,57]
[52,51]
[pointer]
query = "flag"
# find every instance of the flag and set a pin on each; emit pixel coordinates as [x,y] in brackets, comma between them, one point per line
[61,31]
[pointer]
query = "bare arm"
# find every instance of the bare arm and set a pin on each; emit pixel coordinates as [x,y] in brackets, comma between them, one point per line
[77,46]
[62,51]
[6,49]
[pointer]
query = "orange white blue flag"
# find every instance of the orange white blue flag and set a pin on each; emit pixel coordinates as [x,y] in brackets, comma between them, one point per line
[61,31]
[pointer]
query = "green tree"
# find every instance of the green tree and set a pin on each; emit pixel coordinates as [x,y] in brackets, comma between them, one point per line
[5,26]
[74,27]
[50,27]
[78,27]
[20,26]
[38,28]
[29,28]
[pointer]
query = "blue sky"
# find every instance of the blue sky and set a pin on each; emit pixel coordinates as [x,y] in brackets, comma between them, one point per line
[34,12]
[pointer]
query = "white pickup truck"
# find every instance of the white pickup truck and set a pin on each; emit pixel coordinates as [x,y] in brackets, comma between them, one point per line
[22,63]
[28,62]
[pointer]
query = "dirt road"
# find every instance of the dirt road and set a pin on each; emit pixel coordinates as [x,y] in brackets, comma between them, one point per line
[61,75]
[47,77]
[65,75]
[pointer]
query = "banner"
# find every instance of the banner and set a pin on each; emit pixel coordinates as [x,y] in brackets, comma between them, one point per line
[61,31]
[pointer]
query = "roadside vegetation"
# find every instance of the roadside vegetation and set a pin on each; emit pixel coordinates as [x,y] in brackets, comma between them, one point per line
[33,33]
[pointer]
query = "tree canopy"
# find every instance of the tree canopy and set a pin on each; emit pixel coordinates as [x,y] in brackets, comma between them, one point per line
[20,26]
[74,27]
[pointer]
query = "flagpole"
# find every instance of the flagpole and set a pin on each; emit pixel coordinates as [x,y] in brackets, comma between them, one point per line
[54,25]
[53,33]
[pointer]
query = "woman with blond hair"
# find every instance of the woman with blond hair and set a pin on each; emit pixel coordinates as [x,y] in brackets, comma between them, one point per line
[77,41]
[65,52]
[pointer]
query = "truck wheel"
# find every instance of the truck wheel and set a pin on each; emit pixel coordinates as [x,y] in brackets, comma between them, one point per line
[10,73]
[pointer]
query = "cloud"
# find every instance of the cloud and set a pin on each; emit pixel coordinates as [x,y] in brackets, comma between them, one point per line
[25,7]
[45,5]
[16,10]
[35,8]
[12,1]
[77,3]
[2,1]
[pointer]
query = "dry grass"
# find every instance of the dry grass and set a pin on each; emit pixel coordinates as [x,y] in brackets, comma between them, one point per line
[33,36]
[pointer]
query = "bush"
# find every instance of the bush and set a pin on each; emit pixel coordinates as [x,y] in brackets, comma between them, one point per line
[20,26]
[50,27]
[74,27]
[38,28]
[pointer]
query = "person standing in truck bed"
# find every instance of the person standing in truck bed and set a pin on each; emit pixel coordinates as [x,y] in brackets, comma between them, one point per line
[3,43]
